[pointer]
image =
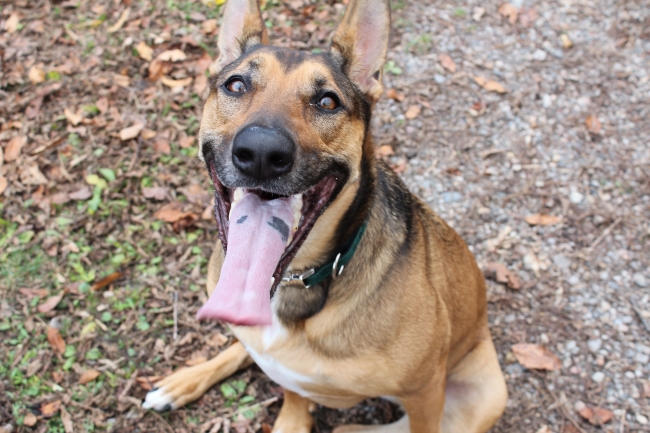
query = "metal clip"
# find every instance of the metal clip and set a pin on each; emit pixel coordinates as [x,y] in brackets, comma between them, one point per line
[334,265]
[290,276]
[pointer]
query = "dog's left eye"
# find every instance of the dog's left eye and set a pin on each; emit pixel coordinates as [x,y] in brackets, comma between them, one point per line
[328,102]
[236,86]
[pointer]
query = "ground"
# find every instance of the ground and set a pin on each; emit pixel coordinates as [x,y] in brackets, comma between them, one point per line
[523,124]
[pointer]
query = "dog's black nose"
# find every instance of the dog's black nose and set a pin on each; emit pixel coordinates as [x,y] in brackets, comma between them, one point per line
[263,153]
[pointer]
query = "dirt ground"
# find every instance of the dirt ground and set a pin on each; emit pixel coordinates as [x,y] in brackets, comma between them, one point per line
[523,124]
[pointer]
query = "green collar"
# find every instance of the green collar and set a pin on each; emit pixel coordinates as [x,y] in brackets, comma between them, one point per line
[314,276]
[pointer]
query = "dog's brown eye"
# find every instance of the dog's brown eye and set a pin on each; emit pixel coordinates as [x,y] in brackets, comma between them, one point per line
[328,103]
[236,86]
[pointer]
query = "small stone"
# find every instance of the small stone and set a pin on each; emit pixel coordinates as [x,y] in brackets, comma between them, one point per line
[594,345]
[574,279]
[642,358]
[451,196]
[561,261]
[576,197]
[539,55]
[439,78]
[598,376]
[640,280]
[641,419]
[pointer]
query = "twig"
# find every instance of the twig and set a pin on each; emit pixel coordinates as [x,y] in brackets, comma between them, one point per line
[175,296]
[566,413]
[167,426]
[604,234]
[643,320]
[128,386]
[622,429]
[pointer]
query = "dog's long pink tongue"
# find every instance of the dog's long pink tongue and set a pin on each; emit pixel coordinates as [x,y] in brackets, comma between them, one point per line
[257,237]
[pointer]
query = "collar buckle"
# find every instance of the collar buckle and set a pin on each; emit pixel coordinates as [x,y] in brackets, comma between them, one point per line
[296,276]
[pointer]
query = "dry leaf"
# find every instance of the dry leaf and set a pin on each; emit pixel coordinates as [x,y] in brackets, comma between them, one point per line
[566,42]
[158,68]
[171,212]
[413,112]
[509,11]
[200,84]
[447,62]
[36,75]
[30,420]
[83,194]
[120,22]
[395,95]
[542,220]
[209,26]
[593,124]
[131,132]
[66,419]
[55,339]
[536,357]
[596,415]
[148,133]
[162,146]
[156,192]
[148,382]
[88,376]
[73,118]
[106,281]
[30,293]
[490,85]
[196,194]
[384,151]
[48,410]
[208,213]
[144,51]
[186,142]
[12,151]
[51,303]
[3,184]
[170,82]
[11,25]
[31,175]
[102,105]
[501,274]
[172,56]
[57,376]
[121,80]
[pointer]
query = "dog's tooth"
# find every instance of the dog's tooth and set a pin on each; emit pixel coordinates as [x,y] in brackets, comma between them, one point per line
[296,207]
[237,195]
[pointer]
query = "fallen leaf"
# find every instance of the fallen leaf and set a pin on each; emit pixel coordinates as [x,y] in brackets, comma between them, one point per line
[509,11]
[121,80]
[60,198]
[171,212]
[57,376]
[447,62]
[412,112]
[200,84]
[30,420]
[169,82]
[48,410]
[148,133]
[36,75]
[266,428]
[148,382]
[31,293]
[566,42]
[156,192]
[73,118]
[596,415]
[31,175]
[144,51]
[542,220]
[51,303]
[162,146]
[55,339]
[3,184]
[490,85]
[196,194]
[120,22]
[158,68]
[395,95]
[66,419]
[83,194]
[593,124]
[536,357]
[131,132]
[88,376]
[172,56]
[12,151]
[109,279]
[102,104]
[501,274]
[209,26]
[11,25]
[384,151]
[186,142]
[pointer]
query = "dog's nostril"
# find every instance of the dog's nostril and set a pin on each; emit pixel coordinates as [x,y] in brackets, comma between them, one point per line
[277,160]
[244,155]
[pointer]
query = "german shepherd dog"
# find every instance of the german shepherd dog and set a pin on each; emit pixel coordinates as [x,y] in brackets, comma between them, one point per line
[336,280]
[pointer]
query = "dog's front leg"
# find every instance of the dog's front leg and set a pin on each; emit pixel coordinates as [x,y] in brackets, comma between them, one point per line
[188,384]
[295,416]
[425,407]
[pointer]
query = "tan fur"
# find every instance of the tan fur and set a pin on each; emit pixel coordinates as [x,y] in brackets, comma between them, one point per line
[407,319]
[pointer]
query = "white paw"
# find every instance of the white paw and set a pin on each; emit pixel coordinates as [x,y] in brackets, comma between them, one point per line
[158,400]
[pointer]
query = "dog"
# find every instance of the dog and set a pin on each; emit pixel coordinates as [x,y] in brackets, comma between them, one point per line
[336,280]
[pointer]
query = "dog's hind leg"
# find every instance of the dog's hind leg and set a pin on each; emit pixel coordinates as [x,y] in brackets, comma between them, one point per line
[476,391]
[188,384]
[295,416]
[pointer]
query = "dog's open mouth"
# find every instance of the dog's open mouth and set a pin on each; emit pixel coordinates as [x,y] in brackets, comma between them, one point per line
[261,233]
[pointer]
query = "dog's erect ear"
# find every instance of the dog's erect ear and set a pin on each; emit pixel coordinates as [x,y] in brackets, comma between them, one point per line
[362,41]
[241,29]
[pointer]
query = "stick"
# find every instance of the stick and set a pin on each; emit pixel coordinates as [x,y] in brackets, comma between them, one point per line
[604,234]
[175,296]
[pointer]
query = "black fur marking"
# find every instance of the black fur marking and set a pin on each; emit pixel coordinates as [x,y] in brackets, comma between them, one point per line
[242,219]
[280,226]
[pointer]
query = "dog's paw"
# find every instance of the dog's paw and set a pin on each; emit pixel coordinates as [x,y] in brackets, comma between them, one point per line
[158,399]
[178,389]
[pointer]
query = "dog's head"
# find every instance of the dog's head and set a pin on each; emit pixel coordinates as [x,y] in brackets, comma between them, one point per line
[287,125]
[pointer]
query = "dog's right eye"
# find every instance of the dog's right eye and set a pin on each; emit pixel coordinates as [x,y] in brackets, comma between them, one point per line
[236,85]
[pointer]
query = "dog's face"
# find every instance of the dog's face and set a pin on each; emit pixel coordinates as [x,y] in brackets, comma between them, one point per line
[289,125]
